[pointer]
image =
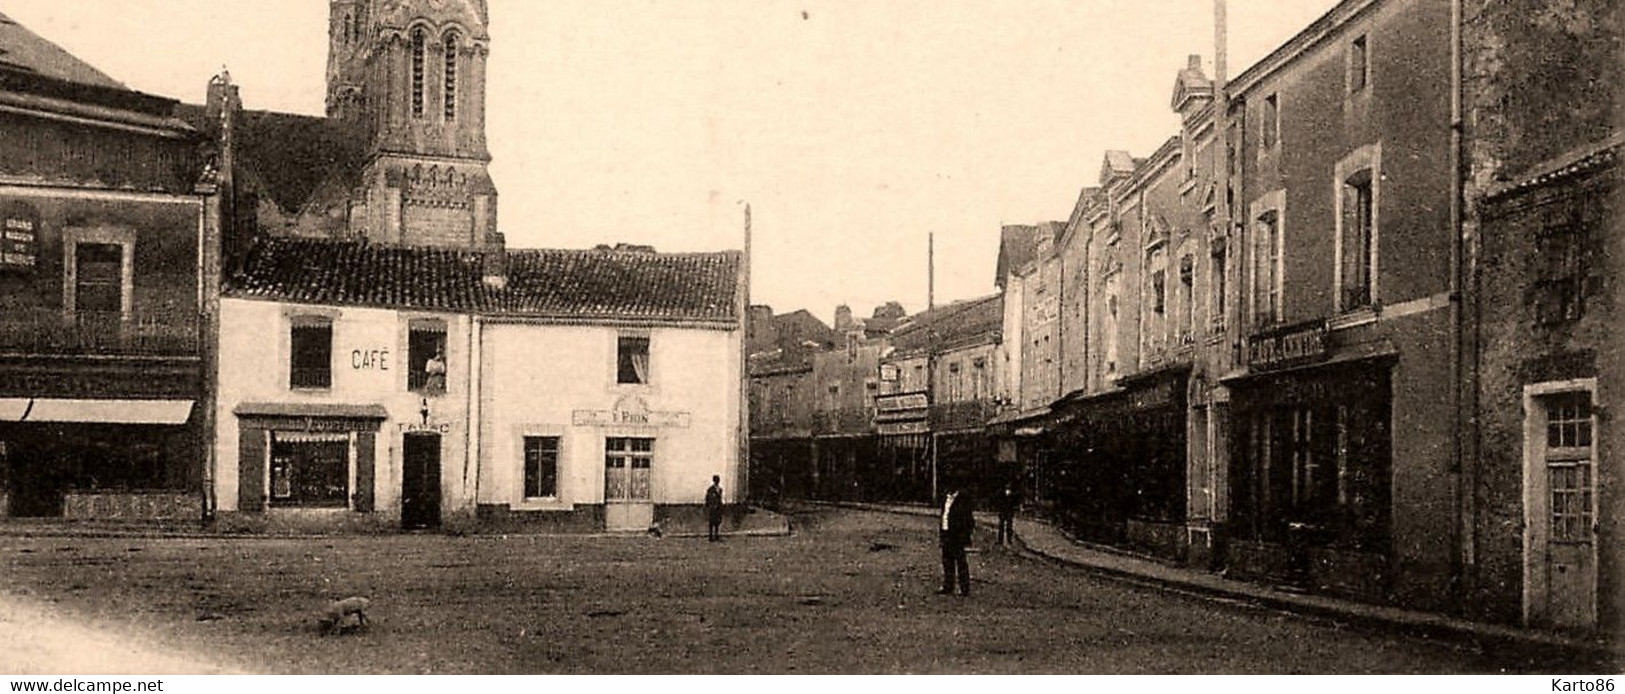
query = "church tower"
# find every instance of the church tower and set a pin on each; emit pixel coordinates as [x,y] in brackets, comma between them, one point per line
[408,78]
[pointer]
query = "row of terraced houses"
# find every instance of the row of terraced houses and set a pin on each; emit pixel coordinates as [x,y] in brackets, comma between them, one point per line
[1353,328]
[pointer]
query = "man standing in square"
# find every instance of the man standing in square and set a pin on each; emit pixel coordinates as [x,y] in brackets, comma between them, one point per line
[713,508]
[956,524]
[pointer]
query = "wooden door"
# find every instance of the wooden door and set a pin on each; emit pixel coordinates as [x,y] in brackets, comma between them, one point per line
[628,488]
[1562,514]
[420,481]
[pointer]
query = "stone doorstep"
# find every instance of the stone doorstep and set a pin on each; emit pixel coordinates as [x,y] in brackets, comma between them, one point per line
[1156,572]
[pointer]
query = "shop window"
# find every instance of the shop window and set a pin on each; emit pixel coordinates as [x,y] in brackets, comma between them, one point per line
[419,50]
[310,469]
[311,353]
[1317,473]
[1356,236]
[1359,65]
[1561,267]
[632,360]
[541,466]
[426,357]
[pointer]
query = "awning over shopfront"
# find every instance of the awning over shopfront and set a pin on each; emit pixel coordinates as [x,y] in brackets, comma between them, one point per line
[319,409]
[67,411]
[1026,423]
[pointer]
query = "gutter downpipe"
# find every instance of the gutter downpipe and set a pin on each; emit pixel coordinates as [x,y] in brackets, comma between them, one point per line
[472,429]
[1466,481]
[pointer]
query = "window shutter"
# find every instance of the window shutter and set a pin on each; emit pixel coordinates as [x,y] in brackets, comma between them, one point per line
[365,446]
[251,470]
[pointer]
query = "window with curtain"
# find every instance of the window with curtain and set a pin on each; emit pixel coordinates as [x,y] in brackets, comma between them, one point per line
[1267,270]
[632,360]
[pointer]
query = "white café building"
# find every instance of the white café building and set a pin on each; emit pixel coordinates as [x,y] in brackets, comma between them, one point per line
[376,386]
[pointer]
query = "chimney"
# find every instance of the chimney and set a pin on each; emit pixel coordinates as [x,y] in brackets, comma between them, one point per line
[1194,62]
[759,318]
[494,262]
[222,104]
[843,318]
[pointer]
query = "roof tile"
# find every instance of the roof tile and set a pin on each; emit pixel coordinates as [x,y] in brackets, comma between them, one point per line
[552,283]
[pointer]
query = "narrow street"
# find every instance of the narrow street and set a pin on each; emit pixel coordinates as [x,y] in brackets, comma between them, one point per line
[849,592]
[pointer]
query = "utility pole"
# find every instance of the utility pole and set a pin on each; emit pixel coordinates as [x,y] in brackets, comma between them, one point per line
[742,480]
[931,354]
[1218,497]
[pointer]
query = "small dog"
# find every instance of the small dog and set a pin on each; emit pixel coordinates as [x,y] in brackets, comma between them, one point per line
[334,619]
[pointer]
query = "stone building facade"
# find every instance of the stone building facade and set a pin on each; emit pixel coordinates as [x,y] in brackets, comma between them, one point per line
[1541,535]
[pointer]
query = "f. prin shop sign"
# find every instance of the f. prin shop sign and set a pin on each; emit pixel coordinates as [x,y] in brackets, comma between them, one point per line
[1292,345]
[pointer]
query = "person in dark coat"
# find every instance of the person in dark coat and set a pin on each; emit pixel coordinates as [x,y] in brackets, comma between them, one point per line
[1009,501]
[954,531]
[713,508]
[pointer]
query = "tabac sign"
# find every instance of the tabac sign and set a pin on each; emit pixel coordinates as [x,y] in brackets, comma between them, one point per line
[1289,346]
[630,410]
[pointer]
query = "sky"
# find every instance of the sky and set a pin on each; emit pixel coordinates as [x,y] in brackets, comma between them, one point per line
[853,128]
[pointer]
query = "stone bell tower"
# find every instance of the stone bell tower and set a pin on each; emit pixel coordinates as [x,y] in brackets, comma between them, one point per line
[408,76]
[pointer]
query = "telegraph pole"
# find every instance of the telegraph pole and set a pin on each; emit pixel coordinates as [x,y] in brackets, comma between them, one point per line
[742,479]
[931,353]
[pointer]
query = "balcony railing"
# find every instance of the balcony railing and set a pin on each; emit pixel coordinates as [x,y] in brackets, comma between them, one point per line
[46,331]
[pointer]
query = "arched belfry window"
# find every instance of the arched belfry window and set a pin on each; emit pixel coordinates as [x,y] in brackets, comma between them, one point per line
[418,48]
[451,76]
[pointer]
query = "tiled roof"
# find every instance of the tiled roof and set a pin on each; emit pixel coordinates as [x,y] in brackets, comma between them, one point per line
[21,49]
[792,330]
[546,283]
[287,156]
[958,323]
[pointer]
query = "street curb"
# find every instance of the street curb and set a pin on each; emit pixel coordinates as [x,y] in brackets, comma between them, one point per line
[1540,647]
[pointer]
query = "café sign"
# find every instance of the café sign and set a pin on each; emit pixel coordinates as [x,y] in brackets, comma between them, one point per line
[1299,344]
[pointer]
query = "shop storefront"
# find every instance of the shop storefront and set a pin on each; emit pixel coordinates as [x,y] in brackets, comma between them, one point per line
[1121,470]
[1311,467]
[303,463]
[100,443]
